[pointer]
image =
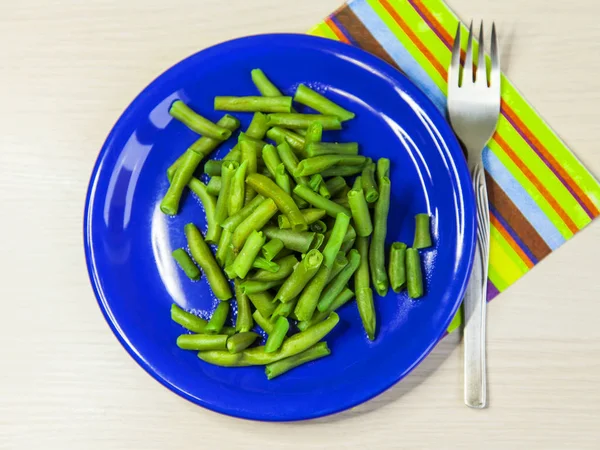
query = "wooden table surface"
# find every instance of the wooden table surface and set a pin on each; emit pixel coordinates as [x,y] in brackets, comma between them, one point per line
[68,68]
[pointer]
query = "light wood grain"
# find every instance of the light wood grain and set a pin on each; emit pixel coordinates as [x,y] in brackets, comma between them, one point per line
[67,70]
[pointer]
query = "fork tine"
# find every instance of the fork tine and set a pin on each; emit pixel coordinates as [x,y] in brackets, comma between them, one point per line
[454,70]
[481,75]
[495,57]
[468,69]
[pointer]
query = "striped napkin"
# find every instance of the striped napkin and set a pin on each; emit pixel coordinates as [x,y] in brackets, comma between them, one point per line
[540,194]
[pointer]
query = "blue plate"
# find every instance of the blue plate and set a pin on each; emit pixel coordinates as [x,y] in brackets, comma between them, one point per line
[128,241]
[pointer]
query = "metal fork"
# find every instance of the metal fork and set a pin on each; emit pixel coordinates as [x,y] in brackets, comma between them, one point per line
[474,108]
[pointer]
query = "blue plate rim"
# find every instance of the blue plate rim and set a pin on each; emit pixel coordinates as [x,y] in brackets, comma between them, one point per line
[447,136]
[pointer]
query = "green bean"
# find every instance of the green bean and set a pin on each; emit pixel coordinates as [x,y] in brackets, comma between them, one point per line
[360,209]
[397,266]
[318,227]
[383,169]
[214,186]
[280,367]
[202,342]
[342,298]
[282,179]
[283,136]
[255,221]
[277,335]
[224,252]
[271,158]
[284,202]
[315,181]
[336,185]
[258,144]
[318,164]
[245,258]
[317,241]
[264,264]
[253,104]
[338,284]
[254,286]
[377,248]
[338,264]
[272,248]
[262,322]
[218,318]
[290,161]
[189,162]
[205,259]
[314,133]
[369,185]
[336,237]
[227,172]
[213,231]
[290,347]
[318,102]
[295,120]
[332,208]
[258,127]
[286,267]
[311,215]
[187,320]
[307,303]
[263,302]
[347,246]
[237,189]
[422,234]
[212,167]
[284,309]
[264,85]
[349,236]
[241,341]
[249,156]
[342,171]
[300,277]
[298,241]
[197,123]
[235,154]
[414,276]
[331,148]
[232,222]
[362,288]
[187,265]
[243,321]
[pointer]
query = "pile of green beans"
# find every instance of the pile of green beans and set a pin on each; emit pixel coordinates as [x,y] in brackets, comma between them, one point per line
[296,237]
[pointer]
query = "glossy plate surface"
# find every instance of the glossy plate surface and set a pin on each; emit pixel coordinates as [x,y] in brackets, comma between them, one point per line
[128,241]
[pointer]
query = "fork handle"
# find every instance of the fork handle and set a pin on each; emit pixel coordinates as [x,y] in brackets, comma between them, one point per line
[475,301]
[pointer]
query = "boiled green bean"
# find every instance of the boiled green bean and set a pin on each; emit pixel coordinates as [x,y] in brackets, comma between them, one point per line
[277,335]
[414,276]
[302,274]
[320,103]
[253,104]
[298,241]
[218,318]
[202,341]
[187,265]
[197,123]
[241,341]
[397,266]
[422,233]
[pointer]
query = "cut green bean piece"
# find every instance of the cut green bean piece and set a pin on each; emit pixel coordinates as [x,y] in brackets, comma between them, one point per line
[277,368]
[258,127]
[264,85]
[205,259]
[255,221]
[320,103]
[343,298]
[286,267]
[377,248]
[315,182]
[336,185]
[227,172]
[300,277]
[331,148]
[282,179]
[318,201]
[263,322]
[214,186]
[311,215]
[272,248]
[307,302]
[187,265]
[253,104]
[243,320]
[235,154]
[317,241]
[237,189]
[414,276]
[339,283]
[241,341]
[231,223]
[347,246]
[187,320]
[397,266]
[197,123]
[187,164]
[342,171]
[362,289]
[383,169]
[245,258]
[202,342]
[298,241]
[318,164]
[271,158]
[224,251]
[295,120]
[212,167]
[360,209]
[284,202]
[249,155]
[334,242]
[277,335]
[290,347]
[213,231]
[290,161]
[263,302]
[283,136]
[422,233]
[318,227]
[218,318]
[254,286]
[369,185]
[338,264]
[349,236]
[264,264]
[284,309]
[314,133]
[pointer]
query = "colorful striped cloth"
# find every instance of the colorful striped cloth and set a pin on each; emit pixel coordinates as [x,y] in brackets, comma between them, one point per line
[540,193]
